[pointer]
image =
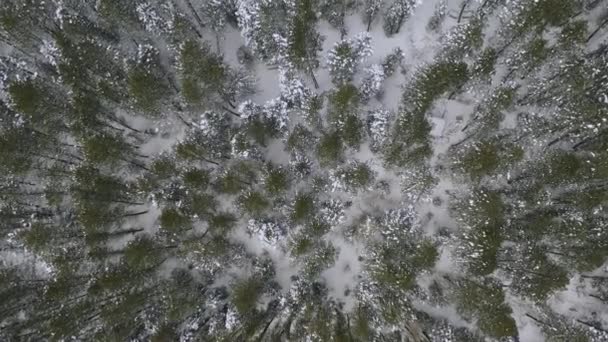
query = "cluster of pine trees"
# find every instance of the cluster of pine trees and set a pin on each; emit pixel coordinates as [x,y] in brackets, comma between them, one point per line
[149,193]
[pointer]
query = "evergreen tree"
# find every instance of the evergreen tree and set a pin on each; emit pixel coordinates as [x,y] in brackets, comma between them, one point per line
[189,170]
[346,55]
[396,14]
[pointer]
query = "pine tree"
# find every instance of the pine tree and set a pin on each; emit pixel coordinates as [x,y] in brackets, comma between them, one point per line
[372,8]
[346,55]
[396,14]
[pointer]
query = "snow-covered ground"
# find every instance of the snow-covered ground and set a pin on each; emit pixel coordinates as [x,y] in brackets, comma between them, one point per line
[448,118]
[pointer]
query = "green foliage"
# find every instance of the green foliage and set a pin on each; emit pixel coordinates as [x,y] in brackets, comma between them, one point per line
[164,167]
[180,296]
[356,175]
[417,128]
[91,185]
[299,139]
[88,65]
[399,265]
[361,327]
[146,89]
[409,142]
[482,214]
[551,12]
[202,205]
[392,61]
[84,116]
[585,200]
[277,180]
[95,217]
[342,114]
[561,167]
[489,113]
[221,223]
[174,221]
[203,72]
[74,188]
[431,82]
[26,97]
[330,149]
[262,130]
[312,109]
[539,276]
[165,333]
[303,207]
[142,254]
[487,156]
[343,56]
[245,295]
[466,38]
[391,275]
[196,178]
[189,150]
[115,315]
[304,42]
[559,328]
[536,52]
[15,153]
[192,93]
[323,258]
[481,160]
[230,183]
[118,12]
[352,131]
[254,203]
[106,149]
[484,65]
[111,280]
[425,256]
[317,228]
[574,33]
[37,237]
[301,245]
[395,15]
[486,302]
[9,20]
[343,101]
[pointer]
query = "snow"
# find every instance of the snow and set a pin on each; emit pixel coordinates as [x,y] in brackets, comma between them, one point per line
[419,47]
[342,278]
[574,302]
[147,221]
[259,245]
[279,88]
[39,268]
[438,127]
[275,152]
[529,331]
[448,313]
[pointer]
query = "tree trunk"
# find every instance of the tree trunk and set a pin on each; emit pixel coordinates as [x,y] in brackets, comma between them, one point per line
[592,325]
[599,298]
[230,111]
[314,79]
[125,231]
[594,277]
[66,162]
[195,13]
[135,164]
[136,214]
[602,24]
[537,320]
[464,5]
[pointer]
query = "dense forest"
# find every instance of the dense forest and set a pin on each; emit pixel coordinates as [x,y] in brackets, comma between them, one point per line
[304,170]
